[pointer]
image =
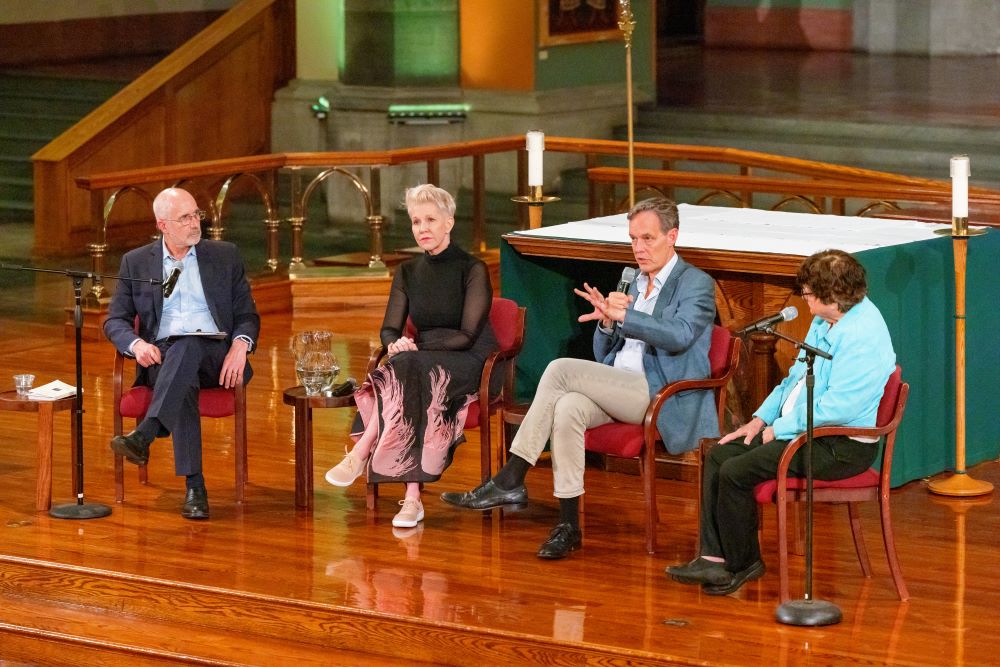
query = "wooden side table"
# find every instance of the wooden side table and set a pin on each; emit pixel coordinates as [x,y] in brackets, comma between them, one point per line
[304,405]
[9,400]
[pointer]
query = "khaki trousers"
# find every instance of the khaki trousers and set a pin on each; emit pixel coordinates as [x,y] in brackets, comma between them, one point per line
[572,396]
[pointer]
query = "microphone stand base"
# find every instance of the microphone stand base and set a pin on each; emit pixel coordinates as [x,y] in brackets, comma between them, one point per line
[808,613]
[80,511]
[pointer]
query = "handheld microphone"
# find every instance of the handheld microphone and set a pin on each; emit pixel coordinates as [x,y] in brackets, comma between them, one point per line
[628,275]
[786,315]
[171,282]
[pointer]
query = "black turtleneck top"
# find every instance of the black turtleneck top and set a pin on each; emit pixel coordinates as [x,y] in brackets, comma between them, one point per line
[447,297]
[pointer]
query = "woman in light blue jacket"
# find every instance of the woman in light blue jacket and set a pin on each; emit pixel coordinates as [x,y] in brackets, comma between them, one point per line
[847,392]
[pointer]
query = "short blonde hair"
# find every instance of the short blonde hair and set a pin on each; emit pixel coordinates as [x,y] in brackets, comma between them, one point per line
[430,194]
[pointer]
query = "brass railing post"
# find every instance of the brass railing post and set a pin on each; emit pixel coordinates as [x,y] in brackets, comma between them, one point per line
[296,220]
[376,222]
[97,249]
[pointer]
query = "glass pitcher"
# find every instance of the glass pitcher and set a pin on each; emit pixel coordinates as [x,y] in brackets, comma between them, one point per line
[316,366]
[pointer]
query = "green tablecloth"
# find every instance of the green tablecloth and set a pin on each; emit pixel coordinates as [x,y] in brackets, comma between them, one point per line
[912,284]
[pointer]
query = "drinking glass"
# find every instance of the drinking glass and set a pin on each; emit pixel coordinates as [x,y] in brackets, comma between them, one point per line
[22,383]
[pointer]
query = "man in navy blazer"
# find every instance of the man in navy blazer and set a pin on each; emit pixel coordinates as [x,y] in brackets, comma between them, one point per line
[657,332]
[205,291]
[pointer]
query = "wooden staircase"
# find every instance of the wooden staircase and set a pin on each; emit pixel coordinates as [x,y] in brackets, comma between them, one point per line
[34,110]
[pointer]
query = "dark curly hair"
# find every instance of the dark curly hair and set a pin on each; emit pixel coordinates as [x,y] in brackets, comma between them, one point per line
[834,277]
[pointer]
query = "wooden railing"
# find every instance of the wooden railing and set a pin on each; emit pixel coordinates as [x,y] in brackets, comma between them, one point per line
[816,195]
[795,179]
[210,98]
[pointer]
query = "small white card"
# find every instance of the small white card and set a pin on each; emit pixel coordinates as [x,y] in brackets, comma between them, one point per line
[52,391]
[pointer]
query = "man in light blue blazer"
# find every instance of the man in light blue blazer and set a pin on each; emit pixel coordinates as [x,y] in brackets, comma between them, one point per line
[207,291]
[657,332]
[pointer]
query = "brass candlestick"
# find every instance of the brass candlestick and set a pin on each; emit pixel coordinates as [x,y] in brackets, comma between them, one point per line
[960,483]
[535,201]
[626,23]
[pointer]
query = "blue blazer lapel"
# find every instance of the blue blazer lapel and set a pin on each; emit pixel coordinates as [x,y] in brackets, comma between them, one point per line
[670,287]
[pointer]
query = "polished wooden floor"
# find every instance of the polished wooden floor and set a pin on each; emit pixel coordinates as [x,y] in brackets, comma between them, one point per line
[263,583]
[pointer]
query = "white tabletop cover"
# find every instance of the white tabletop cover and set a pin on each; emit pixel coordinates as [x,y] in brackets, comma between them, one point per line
[754,230]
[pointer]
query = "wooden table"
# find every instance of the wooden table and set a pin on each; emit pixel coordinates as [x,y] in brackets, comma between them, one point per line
[9,400]
[304,405]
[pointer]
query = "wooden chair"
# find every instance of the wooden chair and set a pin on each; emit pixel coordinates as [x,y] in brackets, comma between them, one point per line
[507,320]
[640,440]
[214,402]
[871,485]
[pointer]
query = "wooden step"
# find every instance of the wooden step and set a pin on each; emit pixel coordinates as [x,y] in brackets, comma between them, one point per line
[127,614]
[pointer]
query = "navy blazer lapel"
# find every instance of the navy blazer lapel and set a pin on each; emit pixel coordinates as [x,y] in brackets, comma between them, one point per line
[156,271]
[209,281]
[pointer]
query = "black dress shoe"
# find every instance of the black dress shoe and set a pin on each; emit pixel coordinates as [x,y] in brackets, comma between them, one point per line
[736,579]
[563,539]
[134,447]
[487,496]
[195,504]
[699,571]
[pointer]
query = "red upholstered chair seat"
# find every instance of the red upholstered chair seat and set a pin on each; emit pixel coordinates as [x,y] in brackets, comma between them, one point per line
[764,492]
[213,403]
[615,439]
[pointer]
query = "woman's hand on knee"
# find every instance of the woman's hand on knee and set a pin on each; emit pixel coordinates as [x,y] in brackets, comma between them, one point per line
[748,431]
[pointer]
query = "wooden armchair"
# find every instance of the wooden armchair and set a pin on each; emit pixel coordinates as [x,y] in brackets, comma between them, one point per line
[640,440]
[214,402]
[871,485]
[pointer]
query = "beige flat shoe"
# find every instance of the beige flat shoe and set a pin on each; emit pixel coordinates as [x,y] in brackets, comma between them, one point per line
[345,472]
[411,514]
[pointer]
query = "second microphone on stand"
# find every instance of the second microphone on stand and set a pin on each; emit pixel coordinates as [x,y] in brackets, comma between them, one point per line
[786,315]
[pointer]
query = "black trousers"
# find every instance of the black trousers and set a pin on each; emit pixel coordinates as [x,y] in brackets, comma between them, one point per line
[188,364]
[732,470]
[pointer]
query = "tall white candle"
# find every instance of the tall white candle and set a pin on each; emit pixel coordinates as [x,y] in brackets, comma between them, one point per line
[535,144]
[960,172]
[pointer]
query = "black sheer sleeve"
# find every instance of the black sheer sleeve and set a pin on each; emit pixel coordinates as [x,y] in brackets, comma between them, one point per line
[475,314]
[396,311]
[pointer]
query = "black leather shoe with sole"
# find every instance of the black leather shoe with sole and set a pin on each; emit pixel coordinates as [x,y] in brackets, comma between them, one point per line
[134,447]
[736,580]
[563,539]
[195,504]
[488,495]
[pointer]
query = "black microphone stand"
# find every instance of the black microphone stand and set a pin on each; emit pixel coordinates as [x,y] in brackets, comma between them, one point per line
[79,509]
[808,611]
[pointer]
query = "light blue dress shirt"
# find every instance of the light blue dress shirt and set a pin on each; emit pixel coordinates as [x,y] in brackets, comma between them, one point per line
[186,310]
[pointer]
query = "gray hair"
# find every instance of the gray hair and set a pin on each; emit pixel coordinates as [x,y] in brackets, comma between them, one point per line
[430,194]
[665,210]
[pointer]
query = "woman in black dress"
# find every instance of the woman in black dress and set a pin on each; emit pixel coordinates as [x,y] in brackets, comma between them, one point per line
[412,408]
